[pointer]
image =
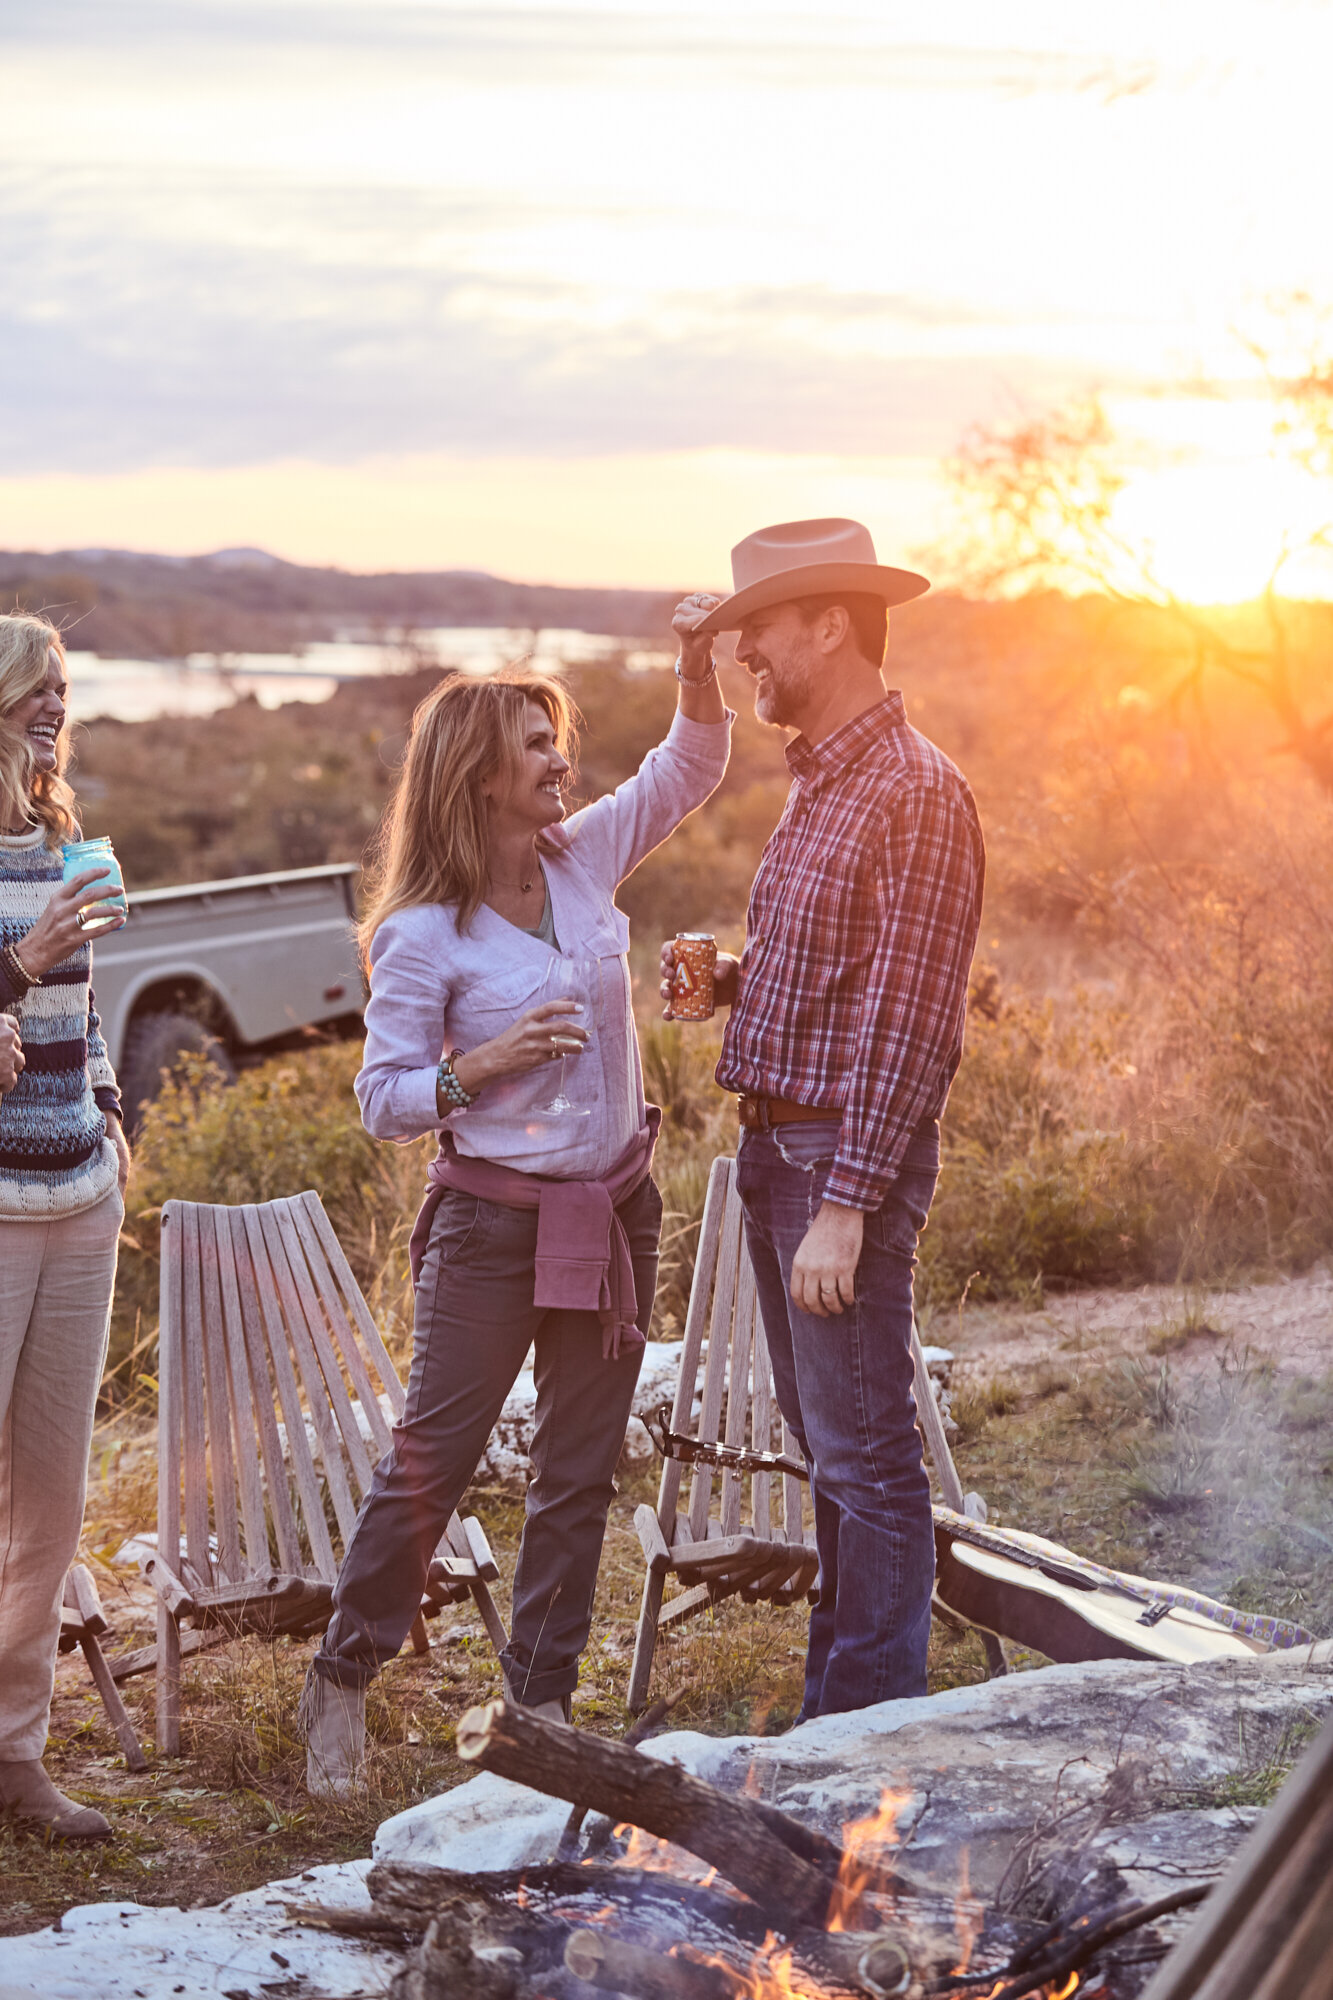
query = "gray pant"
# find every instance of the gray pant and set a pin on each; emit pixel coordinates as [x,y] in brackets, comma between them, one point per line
[56,1277]
[475,1322]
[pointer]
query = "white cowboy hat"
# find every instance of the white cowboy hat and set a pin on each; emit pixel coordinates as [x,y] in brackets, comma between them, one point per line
[801,559]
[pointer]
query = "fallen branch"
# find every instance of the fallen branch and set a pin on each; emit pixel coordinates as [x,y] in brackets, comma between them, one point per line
[656,1712]
[352,1923]
[786,1868]
[1074,1952]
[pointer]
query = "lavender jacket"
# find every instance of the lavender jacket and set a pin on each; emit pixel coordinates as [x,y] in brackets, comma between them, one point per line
[434,987]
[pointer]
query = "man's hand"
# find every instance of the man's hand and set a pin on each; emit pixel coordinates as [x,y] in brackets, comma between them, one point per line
[115,1132]
[726,978]
[695,650]
[11,1053]
[823,1271]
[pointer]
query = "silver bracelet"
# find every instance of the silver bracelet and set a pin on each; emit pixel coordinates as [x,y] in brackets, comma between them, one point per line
[687,680]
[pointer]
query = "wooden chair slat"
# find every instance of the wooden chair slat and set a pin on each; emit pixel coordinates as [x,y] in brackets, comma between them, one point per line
[738,1391]
[192,1373]
[286,1529]
[299,1455]
[344,1333]
[169,1446]
[358,1311]
[226,1518]
[326,1392]
[761,1430]
[244,1417]
[793,1492]
[715,1364]
[696,1319]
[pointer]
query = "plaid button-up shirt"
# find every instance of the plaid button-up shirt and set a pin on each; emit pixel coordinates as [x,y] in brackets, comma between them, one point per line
[860,933]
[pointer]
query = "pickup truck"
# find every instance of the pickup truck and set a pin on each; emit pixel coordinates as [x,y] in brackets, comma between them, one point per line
[227,970]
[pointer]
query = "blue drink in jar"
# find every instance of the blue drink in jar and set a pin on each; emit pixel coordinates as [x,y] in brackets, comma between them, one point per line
[81,855]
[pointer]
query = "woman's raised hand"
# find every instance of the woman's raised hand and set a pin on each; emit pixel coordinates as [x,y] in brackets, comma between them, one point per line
[540,1036]
[57,933]
[696,649]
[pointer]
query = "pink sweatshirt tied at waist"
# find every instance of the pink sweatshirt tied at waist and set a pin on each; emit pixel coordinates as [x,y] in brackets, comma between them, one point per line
[583,1259]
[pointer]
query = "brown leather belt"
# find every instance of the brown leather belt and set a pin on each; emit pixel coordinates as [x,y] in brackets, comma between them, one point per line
[758,1113]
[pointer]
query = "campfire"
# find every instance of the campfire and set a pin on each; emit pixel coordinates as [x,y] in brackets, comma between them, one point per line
[679,1891]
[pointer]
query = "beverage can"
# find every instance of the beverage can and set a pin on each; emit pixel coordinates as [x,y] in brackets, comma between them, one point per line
[78,857]
[692,982]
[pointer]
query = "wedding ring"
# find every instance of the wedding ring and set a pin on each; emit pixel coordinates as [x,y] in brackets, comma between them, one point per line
[80,919]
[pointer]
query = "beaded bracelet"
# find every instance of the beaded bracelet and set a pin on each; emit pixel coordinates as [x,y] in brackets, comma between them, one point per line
[16,969]
[688,680]
[447,1085]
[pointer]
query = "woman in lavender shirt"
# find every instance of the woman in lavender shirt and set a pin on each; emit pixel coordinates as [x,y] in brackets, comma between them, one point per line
[539,1229]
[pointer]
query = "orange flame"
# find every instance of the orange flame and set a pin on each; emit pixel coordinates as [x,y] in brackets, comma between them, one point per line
[1070,1986]
[864,1843]
[768,1975]
[968,1915]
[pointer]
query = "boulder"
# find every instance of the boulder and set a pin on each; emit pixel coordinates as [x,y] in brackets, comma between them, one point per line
[1113,1763]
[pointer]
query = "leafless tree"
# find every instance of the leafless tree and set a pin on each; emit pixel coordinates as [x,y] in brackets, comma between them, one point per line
[1038,511]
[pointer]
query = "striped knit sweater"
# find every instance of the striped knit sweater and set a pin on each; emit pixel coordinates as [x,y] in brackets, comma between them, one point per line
[55,1157]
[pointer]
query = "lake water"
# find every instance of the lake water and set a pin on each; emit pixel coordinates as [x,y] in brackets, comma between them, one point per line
[136,690]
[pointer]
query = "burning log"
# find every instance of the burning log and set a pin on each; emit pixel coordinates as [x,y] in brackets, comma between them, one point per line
[409,1896]
[847,1960]
[619,1967]
[789,1870]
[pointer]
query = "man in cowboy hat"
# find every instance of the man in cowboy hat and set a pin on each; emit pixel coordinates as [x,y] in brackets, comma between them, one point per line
[845,1031]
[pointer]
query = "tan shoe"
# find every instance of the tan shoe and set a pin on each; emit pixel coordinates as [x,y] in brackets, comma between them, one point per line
[559,1710]
[332,1720]
[27,1792]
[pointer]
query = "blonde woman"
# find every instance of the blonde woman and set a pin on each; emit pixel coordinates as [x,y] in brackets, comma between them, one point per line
[497,958]
[63,1168]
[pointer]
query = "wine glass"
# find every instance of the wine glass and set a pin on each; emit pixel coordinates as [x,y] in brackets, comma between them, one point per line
[566,979]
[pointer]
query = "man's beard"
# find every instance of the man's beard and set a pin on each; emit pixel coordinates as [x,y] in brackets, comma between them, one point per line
[783,694]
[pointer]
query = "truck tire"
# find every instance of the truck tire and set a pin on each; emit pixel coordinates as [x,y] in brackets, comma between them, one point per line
[156,1042]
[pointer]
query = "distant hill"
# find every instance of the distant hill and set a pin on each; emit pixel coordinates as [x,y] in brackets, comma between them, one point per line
[116,603]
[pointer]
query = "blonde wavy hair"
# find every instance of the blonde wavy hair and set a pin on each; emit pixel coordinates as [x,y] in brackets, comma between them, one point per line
[26,645]
[433,844]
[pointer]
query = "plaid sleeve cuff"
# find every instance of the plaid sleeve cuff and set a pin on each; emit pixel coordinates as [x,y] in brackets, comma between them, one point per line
[856,1187]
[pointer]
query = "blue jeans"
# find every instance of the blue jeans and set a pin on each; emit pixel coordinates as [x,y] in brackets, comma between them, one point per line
[844,1384]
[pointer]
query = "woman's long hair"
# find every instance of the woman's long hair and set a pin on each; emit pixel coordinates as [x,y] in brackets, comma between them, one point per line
[26,645]
[434,839]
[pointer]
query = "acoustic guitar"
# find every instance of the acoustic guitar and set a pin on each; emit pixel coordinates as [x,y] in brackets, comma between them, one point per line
[1041,1595]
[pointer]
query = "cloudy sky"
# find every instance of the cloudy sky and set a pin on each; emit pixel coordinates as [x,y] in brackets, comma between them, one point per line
[586,292]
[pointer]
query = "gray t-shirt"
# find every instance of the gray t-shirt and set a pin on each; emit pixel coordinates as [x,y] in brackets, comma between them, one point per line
[544,932]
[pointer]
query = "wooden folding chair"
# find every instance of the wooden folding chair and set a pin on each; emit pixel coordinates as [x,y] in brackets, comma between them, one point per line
[269,1427]
[708,1548]
[83,1623]
[728,1541]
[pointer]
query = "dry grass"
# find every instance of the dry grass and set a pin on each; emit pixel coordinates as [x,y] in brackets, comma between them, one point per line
[1222,1480]
[232,1812]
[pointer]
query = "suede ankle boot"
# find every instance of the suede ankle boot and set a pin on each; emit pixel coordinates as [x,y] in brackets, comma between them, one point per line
[27,1792]
[332,1720]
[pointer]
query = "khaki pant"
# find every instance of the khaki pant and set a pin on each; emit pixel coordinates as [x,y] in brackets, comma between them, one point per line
[56,1278]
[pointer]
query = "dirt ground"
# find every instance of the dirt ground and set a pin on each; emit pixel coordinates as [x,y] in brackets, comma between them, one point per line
[1065,1426]
[1287,1322]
